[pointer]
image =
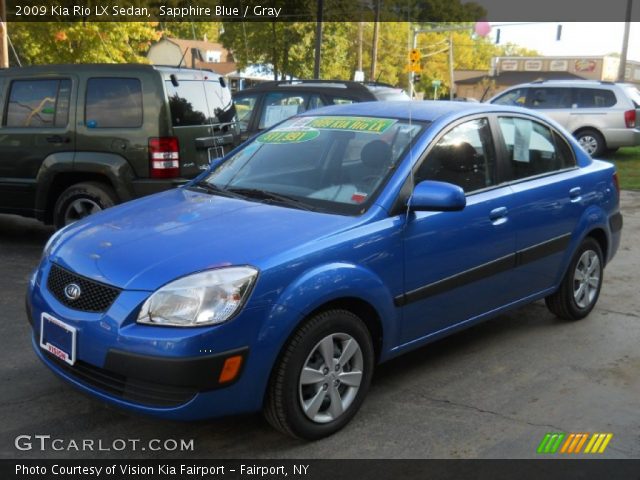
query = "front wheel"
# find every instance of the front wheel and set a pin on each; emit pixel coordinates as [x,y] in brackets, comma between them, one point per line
[580,288]
[322,376]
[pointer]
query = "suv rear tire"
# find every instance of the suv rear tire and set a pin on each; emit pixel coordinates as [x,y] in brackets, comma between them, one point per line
[591,142]
[81,200]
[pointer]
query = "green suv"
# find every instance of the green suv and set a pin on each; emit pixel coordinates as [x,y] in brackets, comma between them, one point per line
[76,139]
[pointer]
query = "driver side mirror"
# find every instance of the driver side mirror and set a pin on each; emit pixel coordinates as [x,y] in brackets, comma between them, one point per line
[433,196]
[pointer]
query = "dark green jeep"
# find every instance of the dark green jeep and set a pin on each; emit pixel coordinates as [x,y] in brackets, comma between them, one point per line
[76,139]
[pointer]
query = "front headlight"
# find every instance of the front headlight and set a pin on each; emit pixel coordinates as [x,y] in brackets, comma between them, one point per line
[205,298]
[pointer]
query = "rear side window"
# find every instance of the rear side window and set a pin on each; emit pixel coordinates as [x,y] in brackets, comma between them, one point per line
[594,98]
[533,149]
[113,103]
[342,101]
[515,97]
[38,103]
[548,97]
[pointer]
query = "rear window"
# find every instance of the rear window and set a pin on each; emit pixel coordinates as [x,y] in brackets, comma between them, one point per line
[634,94]
[38,103]
[594,98]
[197,102]
[113,103]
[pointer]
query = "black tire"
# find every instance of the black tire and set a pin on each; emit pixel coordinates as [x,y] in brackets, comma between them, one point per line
[563,303]
[90,197]
[283,404]
[592,142]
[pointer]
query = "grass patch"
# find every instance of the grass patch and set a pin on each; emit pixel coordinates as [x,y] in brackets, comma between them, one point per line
[627,161]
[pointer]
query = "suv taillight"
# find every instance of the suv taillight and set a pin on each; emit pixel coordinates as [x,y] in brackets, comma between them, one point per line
[630,118]
[164,157]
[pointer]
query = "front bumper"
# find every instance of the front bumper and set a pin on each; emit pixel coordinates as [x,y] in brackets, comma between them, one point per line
[164,371]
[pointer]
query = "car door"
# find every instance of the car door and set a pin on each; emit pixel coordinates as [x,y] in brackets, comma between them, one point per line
[547,199]
[37,123]
[247,104]
[457,263]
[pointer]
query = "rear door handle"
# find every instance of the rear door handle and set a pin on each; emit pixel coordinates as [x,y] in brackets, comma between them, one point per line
[498,215]
[575,194]
[58,139]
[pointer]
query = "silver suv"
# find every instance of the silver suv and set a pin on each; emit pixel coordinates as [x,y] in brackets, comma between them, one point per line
[603,116]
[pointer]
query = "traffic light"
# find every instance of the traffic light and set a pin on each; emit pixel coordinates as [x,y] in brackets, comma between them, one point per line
[414,61]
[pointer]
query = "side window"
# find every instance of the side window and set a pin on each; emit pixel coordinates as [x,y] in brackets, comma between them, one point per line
[465,156]
[532,149]
[188,103]
[515,97]
[113,103]
[547,97]
[244,108]
[38,103]
[280,106]
[594,98]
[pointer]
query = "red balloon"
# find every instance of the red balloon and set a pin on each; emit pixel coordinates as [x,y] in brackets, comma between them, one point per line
[482,28]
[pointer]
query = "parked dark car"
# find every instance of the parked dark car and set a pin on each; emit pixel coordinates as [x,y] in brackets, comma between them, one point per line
[268,103]
[76,139]
[335,241]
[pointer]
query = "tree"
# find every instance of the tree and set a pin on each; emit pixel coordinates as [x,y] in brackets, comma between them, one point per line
[83,42]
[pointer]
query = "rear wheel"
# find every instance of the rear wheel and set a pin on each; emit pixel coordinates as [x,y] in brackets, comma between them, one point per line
[322,376]
[591,142]
[81,200]
[580,288]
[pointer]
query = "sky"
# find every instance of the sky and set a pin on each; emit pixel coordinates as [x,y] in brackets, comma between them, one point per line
[578,38]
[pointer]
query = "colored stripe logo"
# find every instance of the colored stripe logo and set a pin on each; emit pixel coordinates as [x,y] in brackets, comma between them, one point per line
[558,442]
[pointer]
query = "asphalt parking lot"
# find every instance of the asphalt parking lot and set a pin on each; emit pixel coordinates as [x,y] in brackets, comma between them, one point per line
[492,391]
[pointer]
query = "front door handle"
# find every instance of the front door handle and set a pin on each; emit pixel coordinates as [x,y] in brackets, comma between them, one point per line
[498,215]
[575,194]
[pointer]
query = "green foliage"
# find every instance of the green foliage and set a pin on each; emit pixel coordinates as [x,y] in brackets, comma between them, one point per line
[82,42]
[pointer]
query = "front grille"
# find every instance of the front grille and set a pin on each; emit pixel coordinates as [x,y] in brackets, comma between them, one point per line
[94,296]
[126,388]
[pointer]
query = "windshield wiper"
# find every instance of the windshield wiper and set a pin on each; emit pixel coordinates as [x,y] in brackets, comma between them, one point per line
[271,196]
[214,189]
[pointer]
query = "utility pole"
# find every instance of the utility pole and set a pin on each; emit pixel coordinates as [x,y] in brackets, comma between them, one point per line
[4,48]
[451,79]
[625,43]
[316,65]
[360,35]
[374,46]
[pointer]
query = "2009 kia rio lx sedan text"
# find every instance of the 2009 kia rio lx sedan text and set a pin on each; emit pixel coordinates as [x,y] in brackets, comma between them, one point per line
[337,240]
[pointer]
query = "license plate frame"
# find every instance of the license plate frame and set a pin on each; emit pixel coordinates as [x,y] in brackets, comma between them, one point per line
[58,338]
[214,153]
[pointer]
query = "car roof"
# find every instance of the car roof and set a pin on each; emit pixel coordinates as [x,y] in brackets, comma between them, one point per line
[107,67]
[428,110]
[567,83]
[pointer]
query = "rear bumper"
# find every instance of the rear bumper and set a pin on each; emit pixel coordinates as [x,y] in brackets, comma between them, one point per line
[622,137]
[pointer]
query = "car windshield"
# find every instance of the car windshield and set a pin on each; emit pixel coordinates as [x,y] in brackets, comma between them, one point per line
[334,164]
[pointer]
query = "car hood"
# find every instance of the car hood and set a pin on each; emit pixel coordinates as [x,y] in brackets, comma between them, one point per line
[146,243]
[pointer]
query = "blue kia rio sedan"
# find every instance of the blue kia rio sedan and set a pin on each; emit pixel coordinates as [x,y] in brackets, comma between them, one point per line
[337,240]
